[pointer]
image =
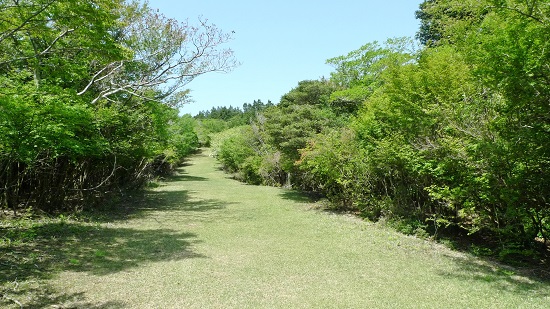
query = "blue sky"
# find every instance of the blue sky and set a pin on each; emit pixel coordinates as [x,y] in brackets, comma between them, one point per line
[280,43]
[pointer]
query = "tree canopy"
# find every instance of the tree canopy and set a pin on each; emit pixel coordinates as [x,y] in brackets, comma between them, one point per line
[88,97]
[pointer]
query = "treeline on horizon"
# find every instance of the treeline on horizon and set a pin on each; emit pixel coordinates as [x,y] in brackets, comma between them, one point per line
[449,133]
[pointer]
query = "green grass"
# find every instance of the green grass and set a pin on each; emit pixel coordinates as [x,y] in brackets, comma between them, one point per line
[202,240]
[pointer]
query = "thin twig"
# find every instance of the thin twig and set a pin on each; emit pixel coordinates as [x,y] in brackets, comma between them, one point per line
[95,79]
[102,183]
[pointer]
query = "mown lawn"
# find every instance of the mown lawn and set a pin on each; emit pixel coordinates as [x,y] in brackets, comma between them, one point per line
[202,240]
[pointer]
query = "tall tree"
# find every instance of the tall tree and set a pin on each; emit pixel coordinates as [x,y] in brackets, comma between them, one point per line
[87,94]
[358,74]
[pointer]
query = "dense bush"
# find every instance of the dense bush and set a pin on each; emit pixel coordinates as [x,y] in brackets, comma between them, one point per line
[233,146]
[335,164]
[452,135]
[84,111]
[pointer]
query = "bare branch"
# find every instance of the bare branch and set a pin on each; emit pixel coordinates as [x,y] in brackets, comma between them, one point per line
[64,33]
[45,51]
[167,56]
[95,79]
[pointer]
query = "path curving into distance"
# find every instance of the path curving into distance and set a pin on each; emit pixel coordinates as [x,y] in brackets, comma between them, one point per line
[203,240]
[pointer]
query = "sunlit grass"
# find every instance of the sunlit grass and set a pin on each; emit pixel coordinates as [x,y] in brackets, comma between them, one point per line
[203,240]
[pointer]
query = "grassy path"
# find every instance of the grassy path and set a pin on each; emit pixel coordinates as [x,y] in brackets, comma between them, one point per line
[202,240]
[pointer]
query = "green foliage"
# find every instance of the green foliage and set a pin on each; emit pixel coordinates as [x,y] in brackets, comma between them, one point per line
[308,92]
[233,146]
[424,131]
[223,113]
[504,43]
[222,118]
[84,105]
[459,136]
[358,74]
[206,127]
[240,151]
[183,136]
[289,128]
[251,110]
[336,165]
[364,65]
[451,137]
[270,147]
[442,22]
[519,30]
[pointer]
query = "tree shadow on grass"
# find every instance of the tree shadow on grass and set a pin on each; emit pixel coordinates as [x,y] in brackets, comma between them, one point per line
[186,177]
[531,281]
[528,282]
[44,297]
[301,197]
[38,250]
[182,175]
[172,204]
[140,204]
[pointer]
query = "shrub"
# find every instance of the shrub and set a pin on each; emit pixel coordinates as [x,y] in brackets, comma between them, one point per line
[233,147]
